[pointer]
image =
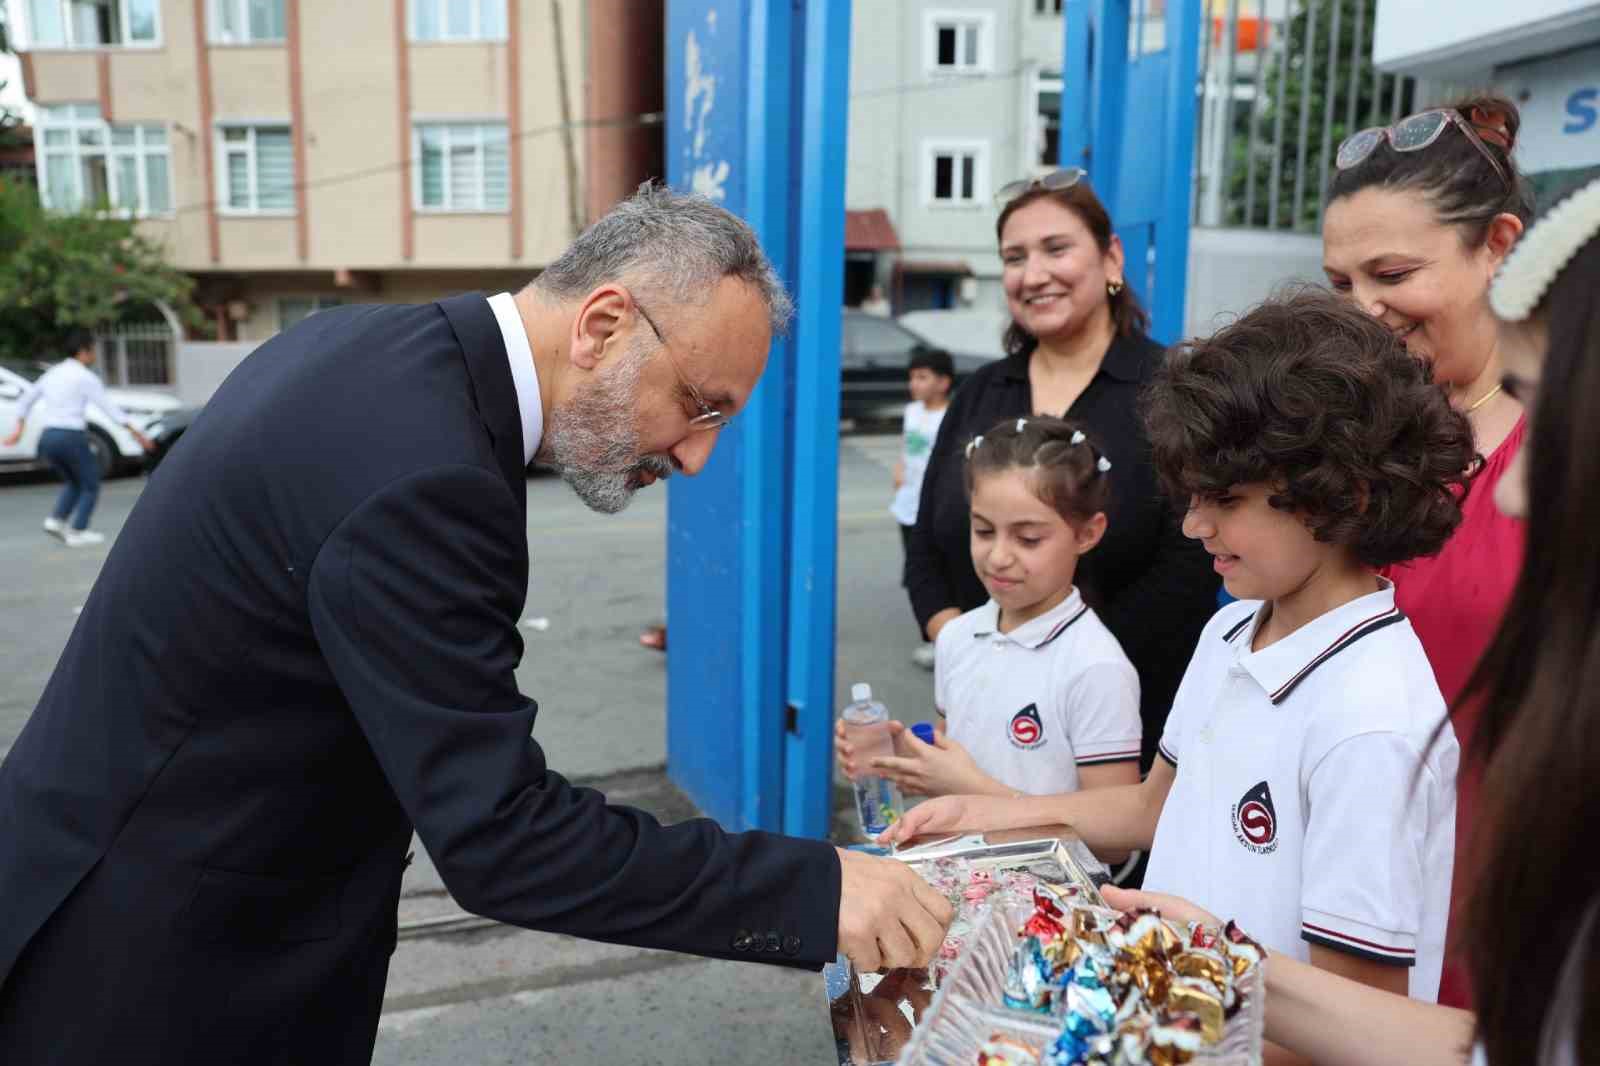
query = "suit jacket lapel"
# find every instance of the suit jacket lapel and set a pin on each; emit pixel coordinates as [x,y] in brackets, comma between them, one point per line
[483,347]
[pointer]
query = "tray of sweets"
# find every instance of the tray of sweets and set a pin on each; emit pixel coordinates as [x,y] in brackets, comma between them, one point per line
[969,1021]
[873,1015]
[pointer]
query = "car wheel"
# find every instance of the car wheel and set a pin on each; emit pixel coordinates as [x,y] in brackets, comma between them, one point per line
[105,452]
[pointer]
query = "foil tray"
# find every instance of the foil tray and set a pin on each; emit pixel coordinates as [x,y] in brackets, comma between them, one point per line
[875,1015]
[968,1008]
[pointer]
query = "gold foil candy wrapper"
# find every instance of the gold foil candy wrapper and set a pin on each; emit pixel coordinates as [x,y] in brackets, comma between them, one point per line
[1175,1040]
[1199,997]
[1211,965]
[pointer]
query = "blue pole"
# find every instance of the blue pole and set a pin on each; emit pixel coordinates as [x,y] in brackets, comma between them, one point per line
[1168,300]
[765,445]
[819,290]
[1108,98]
[1076,72]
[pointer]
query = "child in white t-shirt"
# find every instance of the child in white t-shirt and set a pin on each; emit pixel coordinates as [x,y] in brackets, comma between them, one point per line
[931,375]
[1037,694]
[1306,780]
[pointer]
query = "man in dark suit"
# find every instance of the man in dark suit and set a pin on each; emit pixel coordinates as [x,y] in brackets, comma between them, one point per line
[302,646]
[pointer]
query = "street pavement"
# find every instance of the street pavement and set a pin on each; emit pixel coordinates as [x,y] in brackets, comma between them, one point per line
[466,991]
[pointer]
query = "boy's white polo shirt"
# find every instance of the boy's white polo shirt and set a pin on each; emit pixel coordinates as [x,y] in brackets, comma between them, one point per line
[1034,704]
[1298,809]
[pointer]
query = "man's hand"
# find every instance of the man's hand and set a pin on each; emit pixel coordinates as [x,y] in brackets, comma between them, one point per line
[144,442]
[15,436]
[888,916]
[899,473]
[943,768]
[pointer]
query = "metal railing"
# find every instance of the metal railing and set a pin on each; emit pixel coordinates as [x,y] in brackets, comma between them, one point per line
[137,353]
[1282,82]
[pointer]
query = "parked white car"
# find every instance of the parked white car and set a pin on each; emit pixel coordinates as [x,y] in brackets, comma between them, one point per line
[113,446]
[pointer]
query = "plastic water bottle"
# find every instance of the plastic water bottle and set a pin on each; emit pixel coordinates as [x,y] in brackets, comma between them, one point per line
[866,728]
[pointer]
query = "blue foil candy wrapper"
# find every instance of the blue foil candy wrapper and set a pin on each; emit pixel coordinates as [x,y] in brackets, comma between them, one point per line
[1028,978]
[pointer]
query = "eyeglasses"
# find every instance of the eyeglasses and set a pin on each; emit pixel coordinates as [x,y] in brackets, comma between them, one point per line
[1413,134]
[1055,181]
[709,417]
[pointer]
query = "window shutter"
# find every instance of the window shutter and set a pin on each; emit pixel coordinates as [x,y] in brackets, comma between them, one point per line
[274,169]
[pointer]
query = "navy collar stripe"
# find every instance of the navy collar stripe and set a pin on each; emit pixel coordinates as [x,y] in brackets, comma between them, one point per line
[1350,636]
[1227,638]
[1064,626]
[1054,633]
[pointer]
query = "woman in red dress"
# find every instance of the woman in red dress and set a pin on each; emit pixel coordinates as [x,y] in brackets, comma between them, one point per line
[1420,216]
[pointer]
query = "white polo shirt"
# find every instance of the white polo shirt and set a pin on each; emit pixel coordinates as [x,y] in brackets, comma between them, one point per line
[1299,810]
[1034,704]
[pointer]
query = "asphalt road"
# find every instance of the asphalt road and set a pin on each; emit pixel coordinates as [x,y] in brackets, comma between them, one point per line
[471,993]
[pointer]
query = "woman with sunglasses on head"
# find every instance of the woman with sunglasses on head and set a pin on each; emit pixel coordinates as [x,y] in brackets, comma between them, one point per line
[1077,348]
[1420,215]
[1533,925]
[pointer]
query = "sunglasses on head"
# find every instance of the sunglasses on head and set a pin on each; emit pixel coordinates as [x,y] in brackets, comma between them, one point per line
[1413,134]
[1055,181]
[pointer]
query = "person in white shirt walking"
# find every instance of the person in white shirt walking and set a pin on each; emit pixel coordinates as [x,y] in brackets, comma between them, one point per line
[932,373]
[65,391]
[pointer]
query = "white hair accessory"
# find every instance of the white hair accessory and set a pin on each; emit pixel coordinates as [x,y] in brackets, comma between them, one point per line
[1078,437]
[1543,251]
[1020,423]
[1104,465]
[973,443]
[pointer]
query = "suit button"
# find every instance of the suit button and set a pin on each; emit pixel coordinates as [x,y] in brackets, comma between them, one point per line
[741,940]
[791,945]
[774,941]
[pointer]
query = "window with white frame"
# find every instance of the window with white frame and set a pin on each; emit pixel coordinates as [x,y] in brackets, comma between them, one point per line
[292,310]
[461,166]
[257,172]
[955,173]
[1047,119]
[458,20]
[247,21]
[88,164]
[93,23]
[958,42]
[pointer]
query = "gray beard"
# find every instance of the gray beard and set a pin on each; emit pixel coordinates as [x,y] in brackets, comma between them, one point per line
[593,442]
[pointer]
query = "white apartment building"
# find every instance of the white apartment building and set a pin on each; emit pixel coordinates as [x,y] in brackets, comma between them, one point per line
[949,100]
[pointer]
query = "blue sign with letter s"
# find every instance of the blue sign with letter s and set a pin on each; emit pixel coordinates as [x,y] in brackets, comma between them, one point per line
[1583,109]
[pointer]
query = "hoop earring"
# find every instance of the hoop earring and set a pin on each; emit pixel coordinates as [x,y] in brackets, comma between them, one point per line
[1113,287]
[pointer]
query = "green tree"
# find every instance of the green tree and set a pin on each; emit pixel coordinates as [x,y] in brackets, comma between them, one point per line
[89,269]
[1302,70]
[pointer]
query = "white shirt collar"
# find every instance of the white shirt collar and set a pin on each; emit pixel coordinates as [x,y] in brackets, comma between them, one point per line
[1282,665]
[523,375]
[1036,632]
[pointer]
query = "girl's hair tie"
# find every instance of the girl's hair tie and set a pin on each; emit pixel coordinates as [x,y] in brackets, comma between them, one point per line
[1104,465]
[1020,423]
[1078,437]
[973,443]
[1543,251]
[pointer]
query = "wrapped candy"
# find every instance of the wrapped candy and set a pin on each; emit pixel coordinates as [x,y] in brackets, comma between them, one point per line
[1029,978]
[1245,953]
[1129,990]
[1046,920]
[1001,1050]
[1199,997]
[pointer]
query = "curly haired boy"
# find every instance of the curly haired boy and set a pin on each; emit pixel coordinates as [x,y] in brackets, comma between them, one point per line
[1299,789]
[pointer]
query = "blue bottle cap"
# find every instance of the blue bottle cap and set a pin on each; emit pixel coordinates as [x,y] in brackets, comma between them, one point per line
[923,732]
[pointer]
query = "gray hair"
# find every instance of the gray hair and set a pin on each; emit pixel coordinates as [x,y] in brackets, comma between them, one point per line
[668,242]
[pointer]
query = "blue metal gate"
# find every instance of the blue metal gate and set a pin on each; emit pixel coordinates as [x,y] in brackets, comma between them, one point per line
[1128,118]
[756,105]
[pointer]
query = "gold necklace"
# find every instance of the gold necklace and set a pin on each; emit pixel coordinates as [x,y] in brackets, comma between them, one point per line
[1485,398]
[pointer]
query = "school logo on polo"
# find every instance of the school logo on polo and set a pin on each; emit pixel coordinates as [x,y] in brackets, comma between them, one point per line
[1026,730]
[1255,820]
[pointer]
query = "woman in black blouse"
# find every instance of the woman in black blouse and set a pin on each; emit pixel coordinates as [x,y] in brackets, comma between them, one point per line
[1077,348]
